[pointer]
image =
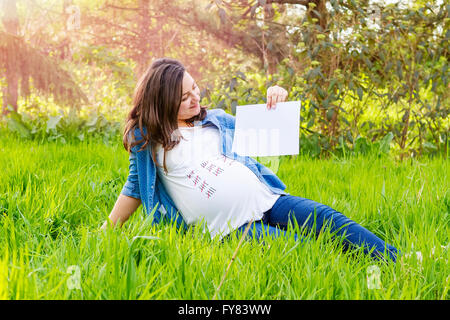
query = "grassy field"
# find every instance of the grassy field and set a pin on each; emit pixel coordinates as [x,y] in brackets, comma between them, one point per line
[54,198]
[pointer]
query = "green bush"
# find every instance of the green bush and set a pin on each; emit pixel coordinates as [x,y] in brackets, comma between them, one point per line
[63,127]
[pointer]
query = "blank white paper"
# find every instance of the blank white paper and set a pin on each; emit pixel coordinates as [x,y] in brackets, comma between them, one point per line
[263,132]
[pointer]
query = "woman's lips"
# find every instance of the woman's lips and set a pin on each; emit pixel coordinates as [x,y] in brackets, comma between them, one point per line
[195,106]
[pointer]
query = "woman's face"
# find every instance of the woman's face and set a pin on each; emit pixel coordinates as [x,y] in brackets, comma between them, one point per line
[190,101]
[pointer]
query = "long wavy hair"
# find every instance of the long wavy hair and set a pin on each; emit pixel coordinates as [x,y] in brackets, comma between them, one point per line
[156,102]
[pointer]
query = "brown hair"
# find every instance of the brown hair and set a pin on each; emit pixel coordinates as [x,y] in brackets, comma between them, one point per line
[156,102]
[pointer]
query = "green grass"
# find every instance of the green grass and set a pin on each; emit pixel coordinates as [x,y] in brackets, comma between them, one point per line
[54,198]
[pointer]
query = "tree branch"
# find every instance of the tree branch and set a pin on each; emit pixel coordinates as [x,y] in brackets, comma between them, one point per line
[301,2]
[112,6]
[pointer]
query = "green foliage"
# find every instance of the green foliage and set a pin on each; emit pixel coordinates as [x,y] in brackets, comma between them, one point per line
[63,127]
[352,55]
[360,118]
[111,62]
[362,72]
[241,89]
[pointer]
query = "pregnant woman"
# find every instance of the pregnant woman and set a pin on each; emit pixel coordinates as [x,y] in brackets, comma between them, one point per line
[182,168]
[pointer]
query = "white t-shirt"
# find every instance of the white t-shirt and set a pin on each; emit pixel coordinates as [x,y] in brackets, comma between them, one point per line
[209,187]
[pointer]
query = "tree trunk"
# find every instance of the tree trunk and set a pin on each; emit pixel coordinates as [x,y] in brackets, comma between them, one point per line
[11,22]
[144,39]
[330,127]
[270,59]
[71,20]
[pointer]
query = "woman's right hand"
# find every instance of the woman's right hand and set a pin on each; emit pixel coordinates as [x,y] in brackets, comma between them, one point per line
[123,208]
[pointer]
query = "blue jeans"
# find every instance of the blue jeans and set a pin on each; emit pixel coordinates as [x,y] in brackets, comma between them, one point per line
[314,216]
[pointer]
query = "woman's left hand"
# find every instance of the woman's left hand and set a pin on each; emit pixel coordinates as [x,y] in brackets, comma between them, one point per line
[275,94]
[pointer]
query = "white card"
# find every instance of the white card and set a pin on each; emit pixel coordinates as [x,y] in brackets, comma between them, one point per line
[263,132]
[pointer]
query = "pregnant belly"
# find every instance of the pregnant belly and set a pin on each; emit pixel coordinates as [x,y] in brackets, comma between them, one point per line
[217,186]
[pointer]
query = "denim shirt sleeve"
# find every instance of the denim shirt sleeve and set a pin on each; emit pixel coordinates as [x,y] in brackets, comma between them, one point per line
[131,187]
[230,120]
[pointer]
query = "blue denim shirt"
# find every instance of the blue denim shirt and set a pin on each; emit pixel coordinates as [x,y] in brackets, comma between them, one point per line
[143,182]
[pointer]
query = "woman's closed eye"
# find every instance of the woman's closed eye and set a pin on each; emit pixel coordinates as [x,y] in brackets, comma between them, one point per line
[184,99]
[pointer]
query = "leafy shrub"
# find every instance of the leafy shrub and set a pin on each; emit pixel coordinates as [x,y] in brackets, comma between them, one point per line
[63,128]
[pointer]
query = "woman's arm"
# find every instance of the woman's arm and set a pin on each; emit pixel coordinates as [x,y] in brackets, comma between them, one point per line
[124,207]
